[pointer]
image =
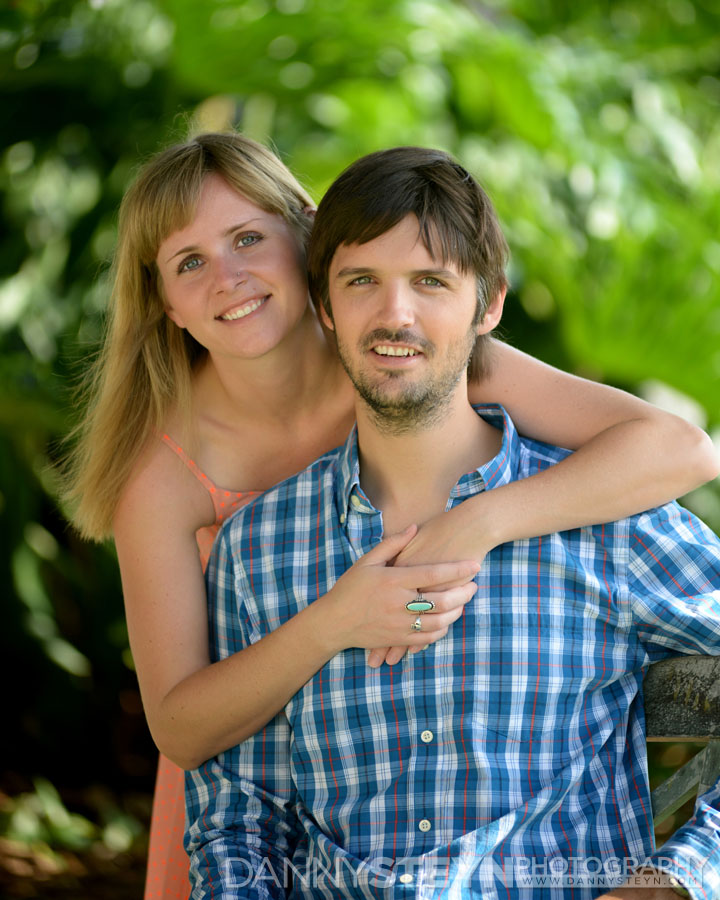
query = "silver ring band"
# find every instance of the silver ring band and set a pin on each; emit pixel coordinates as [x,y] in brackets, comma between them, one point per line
[417,624]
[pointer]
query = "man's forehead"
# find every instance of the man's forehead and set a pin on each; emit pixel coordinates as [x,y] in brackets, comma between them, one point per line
[406,241]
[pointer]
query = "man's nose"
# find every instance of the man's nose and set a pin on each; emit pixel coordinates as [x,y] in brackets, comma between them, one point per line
[397,308]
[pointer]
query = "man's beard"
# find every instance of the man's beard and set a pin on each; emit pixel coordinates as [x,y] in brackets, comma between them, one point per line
[417,404]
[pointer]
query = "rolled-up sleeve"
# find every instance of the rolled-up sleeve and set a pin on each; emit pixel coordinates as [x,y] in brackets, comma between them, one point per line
[674,592]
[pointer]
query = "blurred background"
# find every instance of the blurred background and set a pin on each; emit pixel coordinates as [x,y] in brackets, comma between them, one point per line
[594,126]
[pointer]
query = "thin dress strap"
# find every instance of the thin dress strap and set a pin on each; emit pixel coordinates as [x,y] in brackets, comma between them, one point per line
[224,502]
[209,485]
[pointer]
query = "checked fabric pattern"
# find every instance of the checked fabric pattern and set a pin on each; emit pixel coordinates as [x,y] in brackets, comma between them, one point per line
[519,736]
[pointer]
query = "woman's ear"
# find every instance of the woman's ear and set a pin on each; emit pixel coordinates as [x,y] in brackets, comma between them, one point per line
[174,316]
[310,211]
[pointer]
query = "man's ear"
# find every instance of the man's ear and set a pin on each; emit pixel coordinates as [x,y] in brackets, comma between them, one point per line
[493,313]
[326,318]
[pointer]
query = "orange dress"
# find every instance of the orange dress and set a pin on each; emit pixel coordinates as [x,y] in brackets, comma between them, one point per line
[168,864]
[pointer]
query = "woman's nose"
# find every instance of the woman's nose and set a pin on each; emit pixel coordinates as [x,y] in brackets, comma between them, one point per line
[228,275]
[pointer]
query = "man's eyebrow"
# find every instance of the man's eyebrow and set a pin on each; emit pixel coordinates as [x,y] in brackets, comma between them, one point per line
[438,273]
[415,273]
[191,247]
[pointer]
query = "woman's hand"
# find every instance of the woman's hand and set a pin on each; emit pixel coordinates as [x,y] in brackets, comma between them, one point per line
[451,535]
[367,604]
[459,533]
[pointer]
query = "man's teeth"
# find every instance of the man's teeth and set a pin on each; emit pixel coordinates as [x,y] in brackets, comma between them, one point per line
[245,311]
[395,351]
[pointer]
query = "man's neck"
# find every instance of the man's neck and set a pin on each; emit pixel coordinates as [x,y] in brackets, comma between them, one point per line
[409,475]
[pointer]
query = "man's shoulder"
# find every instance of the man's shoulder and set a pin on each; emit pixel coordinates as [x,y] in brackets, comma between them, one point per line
[288,500]
[671,520]
[535,456]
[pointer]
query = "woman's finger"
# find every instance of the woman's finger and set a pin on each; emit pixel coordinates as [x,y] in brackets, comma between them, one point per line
[388,548]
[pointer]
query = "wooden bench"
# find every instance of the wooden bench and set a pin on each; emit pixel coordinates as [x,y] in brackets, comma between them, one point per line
[682,703]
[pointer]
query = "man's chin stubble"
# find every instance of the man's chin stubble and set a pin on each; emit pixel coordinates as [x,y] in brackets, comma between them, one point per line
[407,413]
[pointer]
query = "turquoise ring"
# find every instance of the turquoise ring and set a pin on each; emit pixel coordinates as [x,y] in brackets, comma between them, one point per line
[419,604]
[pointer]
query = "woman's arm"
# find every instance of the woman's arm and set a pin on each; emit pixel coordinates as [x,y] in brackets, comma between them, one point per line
[558,408]
[196,709]
[630,456]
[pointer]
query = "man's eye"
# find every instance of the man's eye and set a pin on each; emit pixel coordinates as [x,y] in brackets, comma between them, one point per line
[361,279]
[187,265]
[430,281]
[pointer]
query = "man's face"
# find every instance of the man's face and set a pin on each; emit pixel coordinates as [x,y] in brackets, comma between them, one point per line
[405,323]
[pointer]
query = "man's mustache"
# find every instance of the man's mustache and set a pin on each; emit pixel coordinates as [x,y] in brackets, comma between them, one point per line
[402,336]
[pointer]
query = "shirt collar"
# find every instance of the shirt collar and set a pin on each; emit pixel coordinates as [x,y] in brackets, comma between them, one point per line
[499,470]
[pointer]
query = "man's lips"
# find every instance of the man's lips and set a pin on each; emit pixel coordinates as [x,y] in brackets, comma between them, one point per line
[240,310]
[401,344]
[395,350]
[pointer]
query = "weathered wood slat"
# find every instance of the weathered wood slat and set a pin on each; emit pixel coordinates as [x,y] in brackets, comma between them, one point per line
[679,788]
[711,766]
[682,699]
[682,703]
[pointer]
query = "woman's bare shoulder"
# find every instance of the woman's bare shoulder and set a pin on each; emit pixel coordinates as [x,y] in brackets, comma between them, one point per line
[162,489]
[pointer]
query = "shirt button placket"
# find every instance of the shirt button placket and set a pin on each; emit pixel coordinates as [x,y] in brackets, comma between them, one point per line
[426,737]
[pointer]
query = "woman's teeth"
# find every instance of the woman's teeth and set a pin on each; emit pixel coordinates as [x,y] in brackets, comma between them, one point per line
[245,311]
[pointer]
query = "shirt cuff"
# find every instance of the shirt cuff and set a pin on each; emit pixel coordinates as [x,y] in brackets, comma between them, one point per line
[692,854]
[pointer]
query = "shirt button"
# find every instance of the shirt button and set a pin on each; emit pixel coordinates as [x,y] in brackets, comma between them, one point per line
[424,825]
[342,518]
[426,737]
[406,878]
[356,501]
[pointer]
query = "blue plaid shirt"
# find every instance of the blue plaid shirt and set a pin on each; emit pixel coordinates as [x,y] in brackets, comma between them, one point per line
[509,752]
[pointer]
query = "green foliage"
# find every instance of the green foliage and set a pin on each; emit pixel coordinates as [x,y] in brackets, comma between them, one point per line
[41,818]
[594,126]
[596,134]
[50,838]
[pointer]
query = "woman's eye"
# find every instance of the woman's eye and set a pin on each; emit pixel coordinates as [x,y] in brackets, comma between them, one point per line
[247,240]
[188,265]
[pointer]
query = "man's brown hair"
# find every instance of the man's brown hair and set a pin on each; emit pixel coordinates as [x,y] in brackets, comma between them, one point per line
[457,221]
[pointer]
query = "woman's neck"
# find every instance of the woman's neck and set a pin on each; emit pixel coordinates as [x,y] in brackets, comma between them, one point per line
[290,379]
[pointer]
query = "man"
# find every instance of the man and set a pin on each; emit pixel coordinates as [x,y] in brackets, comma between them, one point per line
[510,755]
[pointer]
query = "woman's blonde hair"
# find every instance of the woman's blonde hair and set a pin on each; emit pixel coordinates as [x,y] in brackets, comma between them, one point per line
[144,369]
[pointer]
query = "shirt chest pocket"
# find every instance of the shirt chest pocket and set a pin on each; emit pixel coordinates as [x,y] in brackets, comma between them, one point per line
[533,694]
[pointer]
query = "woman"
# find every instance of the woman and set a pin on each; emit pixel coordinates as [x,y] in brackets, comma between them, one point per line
[215,372]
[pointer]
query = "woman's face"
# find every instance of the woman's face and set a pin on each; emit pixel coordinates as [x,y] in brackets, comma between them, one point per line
[235,276]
